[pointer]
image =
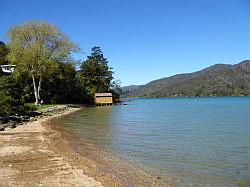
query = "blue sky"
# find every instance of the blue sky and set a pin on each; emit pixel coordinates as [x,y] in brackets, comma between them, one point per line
[145,39]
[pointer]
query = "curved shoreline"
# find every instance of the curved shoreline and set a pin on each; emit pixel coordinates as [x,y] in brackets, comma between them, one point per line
[106,167]
[38,154]
[28,157]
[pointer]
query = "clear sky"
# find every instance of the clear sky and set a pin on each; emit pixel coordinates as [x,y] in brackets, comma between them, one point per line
[145,39]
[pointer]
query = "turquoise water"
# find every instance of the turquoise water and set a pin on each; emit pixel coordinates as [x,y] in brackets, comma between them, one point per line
[196,141]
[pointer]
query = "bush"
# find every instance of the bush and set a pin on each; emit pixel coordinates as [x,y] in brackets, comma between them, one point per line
[11,96]
[27,107]
[5,103]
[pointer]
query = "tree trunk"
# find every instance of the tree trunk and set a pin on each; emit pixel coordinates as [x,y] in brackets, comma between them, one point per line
[39,89]
[35,90]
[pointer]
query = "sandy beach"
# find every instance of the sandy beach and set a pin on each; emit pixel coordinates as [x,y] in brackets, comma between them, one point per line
[35,154]
[28,158]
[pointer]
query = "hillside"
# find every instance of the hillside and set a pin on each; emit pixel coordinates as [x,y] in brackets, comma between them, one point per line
[127,89]
[218,80]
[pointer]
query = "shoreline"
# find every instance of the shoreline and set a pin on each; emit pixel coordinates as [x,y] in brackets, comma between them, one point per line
[39,154]
[107,167]
[28,157]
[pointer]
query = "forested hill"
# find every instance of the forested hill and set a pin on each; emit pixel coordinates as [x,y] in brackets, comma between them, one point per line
[127,89]
[216,80]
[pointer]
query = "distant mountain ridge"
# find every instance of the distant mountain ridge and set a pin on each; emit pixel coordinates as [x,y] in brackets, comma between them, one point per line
[216,80]
[127,89]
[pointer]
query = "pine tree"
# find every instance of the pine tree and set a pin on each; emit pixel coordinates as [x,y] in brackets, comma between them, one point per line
[95,74]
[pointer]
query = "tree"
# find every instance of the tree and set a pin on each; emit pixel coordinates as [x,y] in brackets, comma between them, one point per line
[10,95]
[36,47]
[95,74]
[3,53]
[116,90]
[62,86]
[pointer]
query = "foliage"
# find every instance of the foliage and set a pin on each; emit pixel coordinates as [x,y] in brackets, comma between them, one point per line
[42,106]
[5,103]
[10,95]
[62,87]
[3,53]
[1,72]
[36,47]
[95,75]
[45,70]
[116,90]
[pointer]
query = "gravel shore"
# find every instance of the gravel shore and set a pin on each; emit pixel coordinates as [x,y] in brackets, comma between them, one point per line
[28,156]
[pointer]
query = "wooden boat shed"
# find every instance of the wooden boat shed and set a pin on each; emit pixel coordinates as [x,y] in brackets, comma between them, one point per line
[103,99]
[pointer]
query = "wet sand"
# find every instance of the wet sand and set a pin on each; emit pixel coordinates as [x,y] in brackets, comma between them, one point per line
[36,154]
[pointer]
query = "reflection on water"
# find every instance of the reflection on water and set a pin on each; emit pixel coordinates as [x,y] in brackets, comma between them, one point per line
[198,141]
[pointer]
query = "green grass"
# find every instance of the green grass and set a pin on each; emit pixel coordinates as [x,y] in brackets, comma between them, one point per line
[43,106]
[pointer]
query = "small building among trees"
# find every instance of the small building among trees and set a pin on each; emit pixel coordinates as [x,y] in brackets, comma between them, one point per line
[8,68]
[103,99]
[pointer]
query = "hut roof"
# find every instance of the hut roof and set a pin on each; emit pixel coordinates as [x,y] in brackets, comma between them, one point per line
[103,94]
[8,65]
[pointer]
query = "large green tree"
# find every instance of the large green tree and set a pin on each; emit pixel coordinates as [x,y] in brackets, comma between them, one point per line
[95,74]
[3,53]
[36,47]
[62,86]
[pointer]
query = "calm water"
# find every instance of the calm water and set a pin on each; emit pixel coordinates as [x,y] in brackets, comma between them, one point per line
[196,141]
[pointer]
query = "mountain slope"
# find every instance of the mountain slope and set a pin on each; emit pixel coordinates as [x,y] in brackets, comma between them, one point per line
[127,89]
[219,79]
